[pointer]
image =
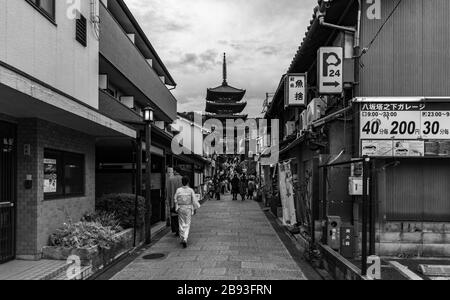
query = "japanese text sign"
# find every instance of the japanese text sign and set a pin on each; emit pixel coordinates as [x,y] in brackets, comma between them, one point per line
[296,90]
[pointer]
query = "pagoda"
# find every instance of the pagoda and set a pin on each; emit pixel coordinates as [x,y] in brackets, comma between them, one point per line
[225,102]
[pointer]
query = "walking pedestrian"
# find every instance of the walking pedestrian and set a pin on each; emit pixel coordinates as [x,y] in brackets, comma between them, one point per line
[217,188]
[186,204]
[243,187]
[251,189]
[235,187]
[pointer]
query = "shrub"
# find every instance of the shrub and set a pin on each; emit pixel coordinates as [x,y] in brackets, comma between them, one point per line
[123,205]
[83,235]
[106,219]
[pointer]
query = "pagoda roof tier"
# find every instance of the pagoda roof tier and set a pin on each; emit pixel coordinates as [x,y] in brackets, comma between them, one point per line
[225,92]
[225,108]
[226,116]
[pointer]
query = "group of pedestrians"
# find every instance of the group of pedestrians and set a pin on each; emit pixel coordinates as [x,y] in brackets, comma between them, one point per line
[243,187]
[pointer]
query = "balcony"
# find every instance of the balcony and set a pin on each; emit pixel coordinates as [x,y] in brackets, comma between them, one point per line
[114,109]
[119,51]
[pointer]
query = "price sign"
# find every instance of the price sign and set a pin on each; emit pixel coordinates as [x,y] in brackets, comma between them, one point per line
[404,122]
[405,129]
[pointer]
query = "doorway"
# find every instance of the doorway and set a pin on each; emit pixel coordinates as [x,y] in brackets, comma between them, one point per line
[7,191]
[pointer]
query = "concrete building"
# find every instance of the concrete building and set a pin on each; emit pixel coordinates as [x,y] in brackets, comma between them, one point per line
[49,120]
[133,77]
[73,84]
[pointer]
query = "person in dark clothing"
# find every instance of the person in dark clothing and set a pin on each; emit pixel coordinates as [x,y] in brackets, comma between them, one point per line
[243,188]
[217,188]
[251,189]
[235,187]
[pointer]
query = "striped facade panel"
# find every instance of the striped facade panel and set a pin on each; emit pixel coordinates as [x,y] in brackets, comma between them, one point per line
[410,55]
[436,66]
[408,49]
[377,73]
[417,191]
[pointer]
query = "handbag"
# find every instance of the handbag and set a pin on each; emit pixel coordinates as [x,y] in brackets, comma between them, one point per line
[196,202]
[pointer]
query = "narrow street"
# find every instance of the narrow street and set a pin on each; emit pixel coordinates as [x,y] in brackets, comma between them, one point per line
[230,240]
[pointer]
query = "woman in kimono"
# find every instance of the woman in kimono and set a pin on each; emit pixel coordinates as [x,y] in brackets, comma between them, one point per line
[186,204]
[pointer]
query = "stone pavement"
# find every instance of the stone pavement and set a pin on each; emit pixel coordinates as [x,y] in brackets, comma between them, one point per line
[230,240]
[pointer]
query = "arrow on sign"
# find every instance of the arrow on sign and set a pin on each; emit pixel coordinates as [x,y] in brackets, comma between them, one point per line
[335,84]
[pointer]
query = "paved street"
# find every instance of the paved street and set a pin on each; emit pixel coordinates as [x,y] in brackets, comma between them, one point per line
[229,241]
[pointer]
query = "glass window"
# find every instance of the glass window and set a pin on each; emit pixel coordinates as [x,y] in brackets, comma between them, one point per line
[63,174]
[45,6]
[73,174]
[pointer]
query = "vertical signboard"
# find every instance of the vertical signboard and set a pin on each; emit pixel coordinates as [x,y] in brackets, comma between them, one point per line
[330,70]
[296,90]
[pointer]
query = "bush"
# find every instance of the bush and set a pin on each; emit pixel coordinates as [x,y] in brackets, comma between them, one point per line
[122,205]
[106,219]
[84,235]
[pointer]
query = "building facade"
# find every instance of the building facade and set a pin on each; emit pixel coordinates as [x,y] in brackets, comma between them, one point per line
[132,78]
[392,53]
[49,120]
[74,82]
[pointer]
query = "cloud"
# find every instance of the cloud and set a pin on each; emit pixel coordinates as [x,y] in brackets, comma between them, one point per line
[260,38]
[200,62]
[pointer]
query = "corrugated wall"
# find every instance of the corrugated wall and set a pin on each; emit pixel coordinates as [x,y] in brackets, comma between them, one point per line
[416,190]
[410,56]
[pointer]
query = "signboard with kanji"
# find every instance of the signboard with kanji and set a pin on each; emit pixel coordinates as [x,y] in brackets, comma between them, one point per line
[296,90]
[330,70]
[405,129]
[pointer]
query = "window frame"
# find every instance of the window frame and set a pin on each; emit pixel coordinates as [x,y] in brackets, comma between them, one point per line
[62,156]
[36,4]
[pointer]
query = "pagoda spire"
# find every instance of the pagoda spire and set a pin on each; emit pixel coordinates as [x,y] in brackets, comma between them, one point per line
[225,83]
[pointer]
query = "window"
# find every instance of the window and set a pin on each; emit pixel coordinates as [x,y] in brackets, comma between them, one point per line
[63,174]
[46,7]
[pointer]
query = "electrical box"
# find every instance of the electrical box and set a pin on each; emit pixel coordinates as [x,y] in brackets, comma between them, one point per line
[355,186]
[348,242]
[334,224]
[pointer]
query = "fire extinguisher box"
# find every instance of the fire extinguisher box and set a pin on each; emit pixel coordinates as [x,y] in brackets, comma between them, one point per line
[334,232]
[348,241]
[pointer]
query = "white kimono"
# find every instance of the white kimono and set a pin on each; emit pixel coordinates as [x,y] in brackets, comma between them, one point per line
[185,203]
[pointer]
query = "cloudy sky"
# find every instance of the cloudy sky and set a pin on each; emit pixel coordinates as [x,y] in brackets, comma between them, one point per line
[260,38]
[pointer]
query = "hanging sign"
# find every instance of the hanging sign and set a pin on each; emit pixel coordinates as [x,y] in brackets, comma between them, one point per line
[296,90]
[405,129]
[330,70]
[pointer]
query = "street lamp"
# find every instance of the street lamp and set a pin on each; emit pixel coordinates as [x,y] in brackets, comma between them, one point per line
[148,120]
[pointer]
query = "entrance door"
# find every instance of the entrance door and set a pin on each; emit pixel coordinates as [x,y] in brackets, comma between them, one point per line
[7,191]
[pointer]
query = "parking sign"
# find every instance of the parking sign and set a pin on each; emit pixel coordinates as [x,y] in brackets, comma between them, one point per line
[330,69]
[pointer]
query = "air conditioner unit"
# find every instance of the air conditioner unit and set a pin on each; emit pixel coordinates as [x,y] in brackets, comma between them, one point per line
[316,109]
[303,121]
[290,128]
